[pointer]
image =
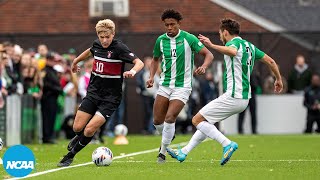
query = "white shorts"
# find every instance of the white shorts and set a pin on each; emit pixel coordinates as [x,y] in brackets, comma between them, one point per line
[222,108]
[180,93]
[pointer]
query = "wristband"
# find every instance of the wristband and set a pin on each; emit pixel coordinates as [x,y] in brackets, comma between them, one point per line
[133,71]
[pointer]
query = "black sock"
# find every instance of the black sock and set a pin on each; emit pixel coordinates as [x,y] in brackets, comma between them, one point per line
[80,145]
[79,133]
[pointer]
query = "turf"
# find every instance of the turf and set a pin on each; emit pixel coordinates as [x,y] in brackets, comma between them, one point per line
[258,157]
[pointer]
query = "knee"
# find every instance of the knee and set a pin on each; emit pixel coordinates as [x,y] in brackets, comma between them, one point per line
[170,118]
[77,127]
[196,121]
[89,131]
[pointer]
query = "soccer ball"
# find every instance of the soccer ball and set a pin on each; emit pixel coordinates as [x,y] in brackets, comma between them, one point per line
[102,156]
[1,144]
[120,130]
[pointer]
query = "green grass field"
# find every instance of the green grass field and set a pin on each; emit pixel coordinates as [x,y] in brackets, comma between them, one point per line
[258,157]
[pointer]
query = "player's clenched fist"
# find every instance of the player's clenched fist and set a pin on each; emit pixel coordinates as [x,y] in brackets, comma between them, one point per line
[149,83]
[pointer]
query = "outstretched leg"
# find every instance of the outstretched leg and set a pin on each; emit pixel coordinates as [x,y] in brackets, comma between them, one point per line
[181,154]
[96,122]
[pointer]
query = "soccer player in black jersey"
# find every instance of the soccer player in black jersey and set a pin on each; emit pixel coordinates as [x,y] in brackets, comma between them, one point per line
[105,86]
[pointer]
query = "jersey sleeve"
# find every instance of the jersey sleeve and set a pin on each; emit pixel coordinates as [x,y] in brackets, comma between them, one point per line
[196,45]
[234,44]
[126,55]
[259,54]
[156,49]
[95,45]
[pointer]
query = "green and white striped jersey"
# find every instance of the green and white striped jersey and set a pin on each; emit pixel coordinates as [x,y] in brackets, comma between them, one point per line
[177,58]
[238,69]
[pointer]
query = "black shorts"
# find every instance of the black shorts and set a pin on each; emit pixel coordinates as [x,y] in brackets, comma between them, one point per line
[91,106]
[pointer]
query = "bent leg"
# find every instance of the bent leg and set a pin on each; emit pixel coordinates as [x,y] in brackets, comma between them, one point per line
[81,120]
[96,122]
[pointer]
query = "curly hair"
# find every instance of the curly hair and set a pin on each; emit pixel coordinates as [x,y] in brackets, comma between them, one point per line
[231,25]
[171,13]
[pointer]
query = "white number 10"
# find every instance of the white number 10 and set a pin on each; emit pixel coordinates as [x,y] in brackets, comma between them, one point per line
[99,67]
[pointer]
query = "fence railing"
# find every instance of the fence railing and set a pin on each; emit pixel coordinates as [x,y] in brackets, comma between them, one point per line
[21,121]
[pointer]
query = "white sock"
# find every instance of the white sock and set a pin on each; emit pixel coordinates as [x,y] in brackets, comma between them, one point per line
[159,128]
[212,132]
[196,139]
[167,135]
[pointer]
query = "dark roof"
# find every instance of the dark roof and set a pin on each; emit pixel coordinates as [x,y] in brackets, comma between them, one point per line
[293,15]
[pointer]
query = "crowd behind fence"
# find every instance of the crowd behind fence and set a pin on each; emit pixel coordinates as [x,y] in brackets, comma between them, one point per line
[24,57]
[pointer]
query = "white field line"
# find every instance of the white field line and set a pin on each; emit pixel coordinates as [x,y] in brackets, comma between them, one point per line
[155,150]
[88,163]
[234,160]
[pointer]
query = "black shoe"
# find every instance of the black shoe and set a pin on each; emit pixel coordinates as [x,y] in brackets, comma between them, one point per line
[73,142]
[174,136]
[66,161]
[161,158]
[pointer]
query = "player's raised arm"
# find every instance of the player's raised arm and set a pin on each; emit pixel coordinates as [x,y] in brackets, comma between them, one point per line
[208,57]
[138,65]
[278,86]
[83,56]
[227,50]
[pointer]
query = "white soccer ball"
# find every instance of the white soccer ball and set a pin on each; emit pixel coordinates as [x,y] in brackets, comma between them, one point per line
[102,156]
[1,144]
[120,129]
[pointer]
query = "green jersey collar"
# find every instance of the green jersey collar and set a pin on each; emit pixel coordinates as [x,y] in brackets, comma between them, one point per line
[237,37]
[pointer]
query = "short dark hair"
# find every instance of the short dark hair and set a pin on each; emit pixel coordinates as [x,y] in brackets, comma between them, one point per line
[8,44]
[231,25]
[171,13]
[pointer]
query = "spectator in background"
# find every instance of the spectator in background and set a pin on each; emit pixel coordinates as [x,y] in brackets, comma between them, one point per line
[190,107]
[41,56]
[11,72]
[72,53]
[2,56]
[31,78]
[49,101]
[300,76]
[147,95]
[312,103]
[254,83]
[85,78]
[268,85]
[116,118]
[209,89]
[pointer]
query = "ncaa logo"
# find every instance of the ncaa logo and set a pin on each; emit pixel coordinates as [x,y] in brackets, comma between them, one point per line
[18,161]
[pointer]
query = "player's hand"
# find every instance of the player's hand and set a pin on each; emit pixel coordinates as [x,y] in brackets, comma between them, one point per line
[150,82]
[200,70]
[75,68]
[278,86]
[206,41]
[129,74]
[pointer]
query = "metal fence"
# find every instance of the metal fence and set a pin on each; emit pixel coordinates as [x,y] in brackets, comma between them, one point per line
[21,122]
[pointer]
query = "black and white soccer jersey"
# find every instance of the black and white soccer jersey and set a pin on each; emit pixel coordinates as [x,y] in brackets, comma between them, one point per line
[107,72]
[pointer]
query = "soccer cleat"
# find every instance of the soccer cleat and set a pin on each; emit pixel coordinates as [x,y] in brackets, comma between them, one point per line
[228,151]
[65,161]
[73,142]
[177,154]
[161,158]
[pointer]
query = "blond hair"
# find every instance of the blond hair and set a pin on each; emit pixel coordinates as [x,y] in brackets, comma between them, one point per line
[105,25]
